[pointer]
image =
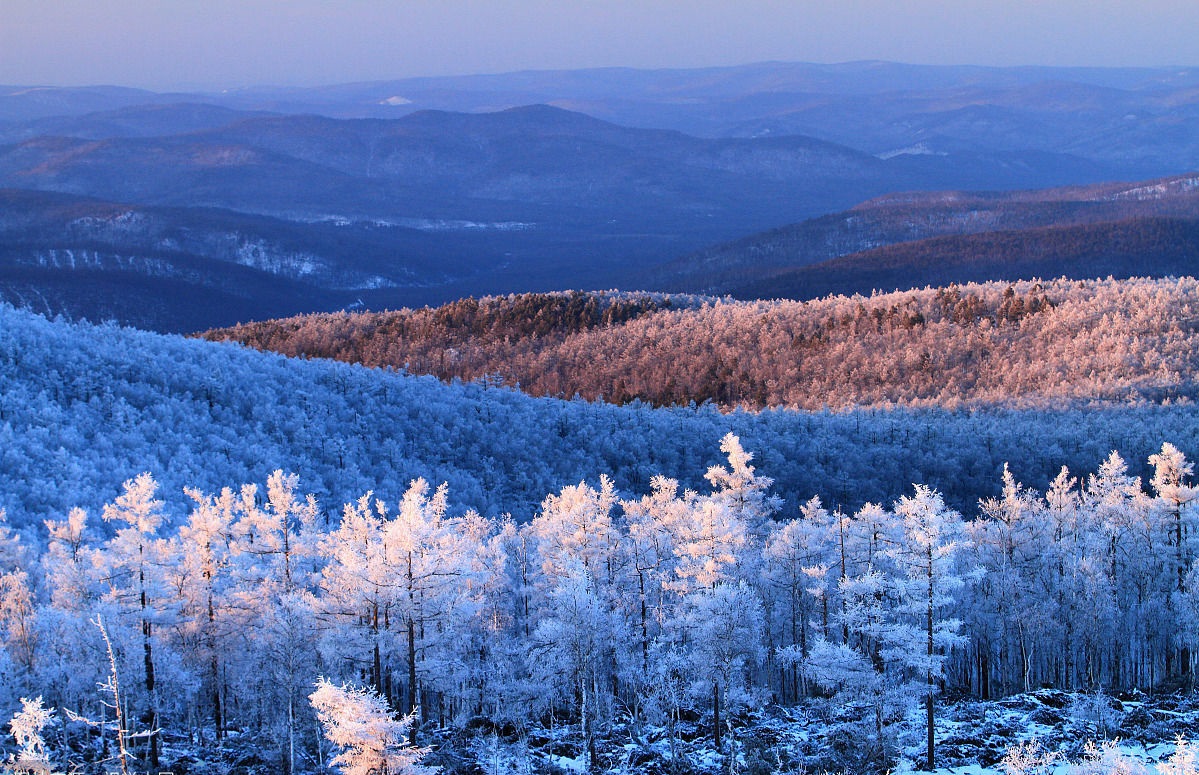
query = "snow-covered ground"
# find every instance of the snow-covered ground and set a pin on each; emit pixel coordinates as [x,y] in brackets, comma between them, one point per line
[972,739]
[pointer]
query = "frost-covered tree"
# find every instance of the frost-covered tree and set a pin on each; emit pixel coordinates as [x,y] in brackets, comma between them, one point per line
[284,658]
[796,562]
[276,536]
[132,580]
[723,627]
[369,738]
[439,568]
[358,590]
[1123,518]
[1028,758]
[67,562]
[849,678]
[576,526]
[926,580]
[743,491]
[27,725]
[203,547]
[1175,501]
[1183,761]
[710,542]
[1008,610]
[1107,759]
[570,648]
[651,525]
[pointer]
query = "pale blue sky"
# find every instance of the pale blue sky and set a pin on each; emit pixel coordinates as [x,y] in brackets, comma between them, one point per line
[226,43]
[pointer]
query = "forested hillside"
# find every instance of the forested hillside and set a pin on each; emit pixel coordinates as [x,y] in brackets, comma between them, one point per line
[1022,344]
[84,407]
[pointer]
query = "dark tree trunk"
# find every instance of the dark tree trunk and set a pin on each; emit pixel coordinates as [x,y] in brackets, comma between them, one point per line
[716,715]
[150,718]
[412,678]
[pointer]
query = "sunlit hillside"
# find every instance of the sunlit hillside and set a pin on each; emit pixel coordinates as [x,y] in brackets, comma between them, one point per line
[1027,344]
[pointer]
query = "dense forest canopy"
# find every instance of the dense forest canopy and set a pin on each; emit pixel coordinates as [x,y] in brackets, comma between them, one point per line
[83,407]
[1017,344]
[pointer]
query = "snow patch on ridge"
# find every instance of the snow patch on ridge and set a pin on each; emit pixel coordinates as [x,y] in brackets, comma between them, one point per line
[1158,190]
[919,149]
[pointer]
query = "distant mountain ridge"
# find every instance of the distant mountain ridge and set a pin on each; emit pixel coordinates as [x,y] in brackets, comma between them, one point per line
[1134,116]
[1137,247]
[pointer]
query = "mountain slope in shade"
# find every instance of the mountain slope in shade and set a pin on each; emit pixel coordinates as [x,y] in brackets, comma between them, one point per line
[911,217]
[184,269]
[1139,247]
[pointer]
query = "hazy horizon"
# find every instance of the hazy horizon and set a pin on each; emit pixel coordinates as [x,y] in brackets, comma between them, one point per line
[186,45]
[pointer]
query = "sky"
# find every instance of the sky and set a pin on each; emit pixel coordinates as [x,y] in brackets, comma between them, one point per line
[180,44]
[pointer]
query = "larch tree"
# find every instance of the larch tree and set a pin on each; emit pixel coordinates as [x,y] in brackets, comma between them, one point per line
[796,562]
[567,653]
[1175,498]
[650,526]
[926,580]
[743,491]
[1123,518]
[856,670]
[1010,542]
[275,537]
[576,525]
[724,632]
[133,579]
[203,547]
[711,541]
[432,561]
[358,591]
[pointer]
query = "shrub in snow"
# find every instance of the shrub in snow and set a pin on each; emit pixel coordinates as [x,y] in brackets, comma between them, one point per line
[1182,762]
[359,722]
[1028,759]
[27,727]
[1107,759]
